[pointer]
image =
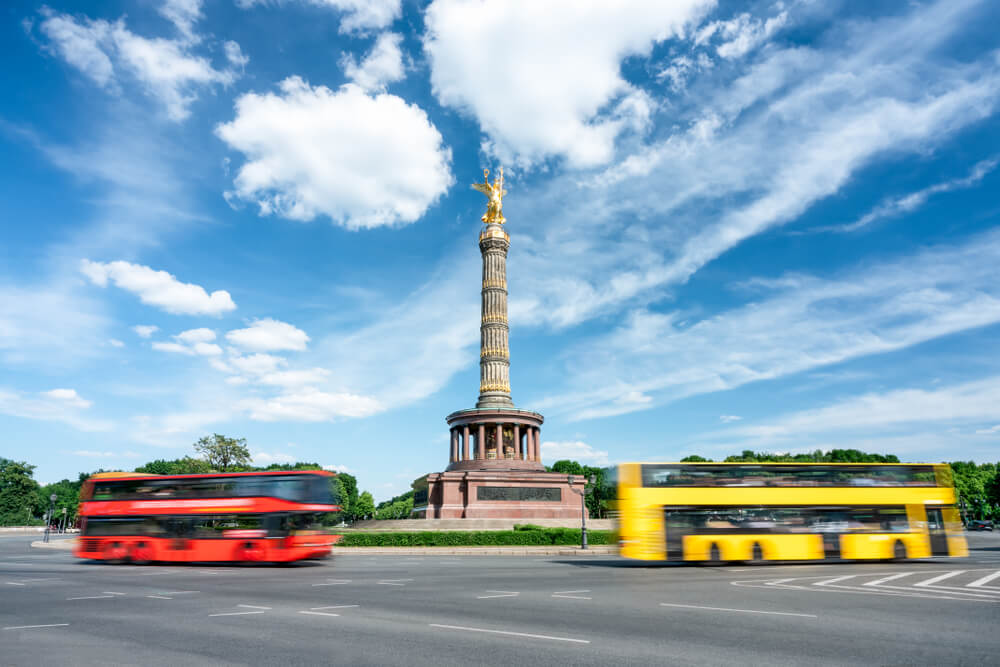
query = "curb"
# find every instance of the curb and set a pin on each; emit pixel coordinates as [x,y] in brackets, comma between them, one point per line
[59,545]
[601,550]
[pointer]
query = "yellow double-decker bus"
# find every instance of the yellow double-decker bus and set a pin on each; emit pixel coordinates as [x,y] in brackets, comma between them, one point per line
[787,511]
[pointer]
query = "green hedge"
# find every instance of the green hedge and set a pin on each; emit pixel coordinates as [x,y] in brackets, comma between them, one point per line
[476,538]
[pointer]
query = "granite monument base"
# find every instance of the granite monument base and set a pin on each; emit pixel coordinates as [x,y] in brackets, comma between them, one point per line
[497,494]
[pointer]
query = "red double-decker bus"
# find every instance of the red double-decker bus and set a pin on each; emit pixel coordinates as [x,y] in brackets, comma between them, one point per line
[254,516]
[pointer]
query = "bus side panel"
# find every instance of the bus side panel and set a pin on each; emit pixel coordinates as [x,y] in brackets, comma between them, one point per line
[641,529]
[869,546]
[957,546]
[740,547]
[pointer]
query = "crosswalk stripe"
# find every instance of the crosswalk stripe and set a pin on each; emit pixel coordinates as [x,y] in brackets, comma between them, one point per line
[985,580]
[879,582]
[940,577]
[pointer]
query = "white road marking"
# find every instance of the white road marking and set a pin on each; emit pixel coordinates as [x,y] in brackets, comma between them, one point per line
[835,580]
[251,606]
[978,583]
[13,583]
[513,634]
[336,606]
[942,577]
[318,613]
[28,627]
[112,593]
[335,582]
[393,582]
[179,592]
[893,577]
[743,611]
[570,595]
[237,613]
[91,597]
[159,597]
[499,594]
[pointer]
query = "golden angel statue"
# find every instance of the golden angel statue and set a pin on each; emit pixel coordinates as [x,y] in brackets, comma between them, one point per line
[495,191]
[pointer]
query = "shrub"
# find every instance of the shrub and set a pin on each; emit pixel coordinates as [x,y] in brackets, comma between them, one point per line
[521,537]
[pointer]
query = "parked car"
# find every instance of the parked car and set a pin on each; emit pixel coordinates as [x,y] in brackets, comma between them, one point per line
[979,524]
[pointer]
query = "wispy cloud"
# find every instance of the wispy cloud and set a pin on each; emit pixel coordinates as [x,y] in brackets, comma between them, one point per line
[896,206]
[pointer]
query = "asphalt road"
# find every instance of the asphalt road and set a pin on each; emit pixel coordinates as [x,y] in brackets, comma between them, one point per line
[503,610]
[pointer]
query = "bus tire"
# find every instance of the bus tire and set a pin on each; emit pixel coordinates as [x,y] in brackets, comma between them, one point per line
[714,556]
[141,554]
[115,553]
[249,552]
[899,551]
[757,554]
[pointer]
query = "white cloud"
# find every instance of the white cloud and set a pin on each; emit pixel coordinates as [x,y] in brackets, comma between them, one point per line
[970,403]
[312,406]
[235,55]
[362,160]
[59,405]
[115,342]
[895,206]
[543,79]
[191,342]
[256,364]
[89,453]
[794,324]
[68,397]
[338,468]
[158,288]
[741,34]
[145,330]
[381,66]
[727,419]
[166,69]
[183,14]
[265,459]
[574,451]
[266,335]
[295,378]
[989,431]
[357,15]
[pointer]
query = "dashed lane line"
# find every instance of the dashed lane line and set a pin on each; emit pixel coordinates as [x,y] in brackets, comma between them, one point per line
[335,582]
[498,594]
[91,597]
[237,613]
[509,633]
[571,595]
[318,613]
[252,606]
[743,611]
[336,606]
[30,627]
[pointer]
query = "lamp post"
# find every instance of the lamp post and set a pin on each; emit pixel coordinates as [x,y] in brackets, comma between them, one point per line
[48,517]
[583,506]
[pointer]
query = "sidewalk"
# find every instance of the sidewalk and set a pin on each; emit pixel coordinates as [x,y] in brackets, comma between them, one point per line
[62,544]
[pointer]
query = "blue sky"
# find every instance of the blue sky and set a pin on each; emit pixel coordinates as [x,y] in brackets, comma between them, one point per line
[770,225]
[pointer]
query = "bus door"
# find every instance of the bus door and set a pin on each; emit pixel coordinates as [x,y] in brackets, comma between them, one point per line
[935,527]
[678,523]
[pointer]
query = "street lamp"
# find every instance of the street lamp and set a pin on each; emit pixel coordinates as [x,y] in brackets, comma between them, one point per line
[48,518]
[583,506]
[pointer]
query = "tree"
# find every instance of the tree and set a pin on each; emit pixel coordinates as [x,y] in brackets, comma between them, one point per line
[567,467]
[224,453]
[67,496]
[350,497]
[365,506]
[694,458]
[185,466]
[18,493]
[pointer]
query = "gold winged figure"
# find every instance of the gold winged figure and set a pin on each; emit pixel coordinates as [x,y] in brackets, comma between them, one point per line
[495,192]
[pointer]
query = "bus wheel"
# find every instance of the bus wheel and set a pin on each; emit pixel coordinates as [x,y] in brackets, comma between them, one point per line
[713,554]
[758,554]
[899,551]
[250,553]
[142,554]
[115,553]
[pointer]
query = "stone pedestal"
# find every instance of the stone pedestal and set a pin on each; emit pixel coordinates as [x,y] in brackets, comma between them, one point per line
[497,494]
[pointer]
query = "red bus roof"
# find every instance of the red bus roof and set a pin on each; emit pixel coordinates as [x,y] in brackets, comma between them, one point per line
[125,475]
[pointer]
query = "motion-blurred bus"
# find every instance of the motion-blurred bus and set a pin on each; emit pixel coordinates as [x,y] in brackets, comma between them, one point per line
[787,511]
[256,516]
